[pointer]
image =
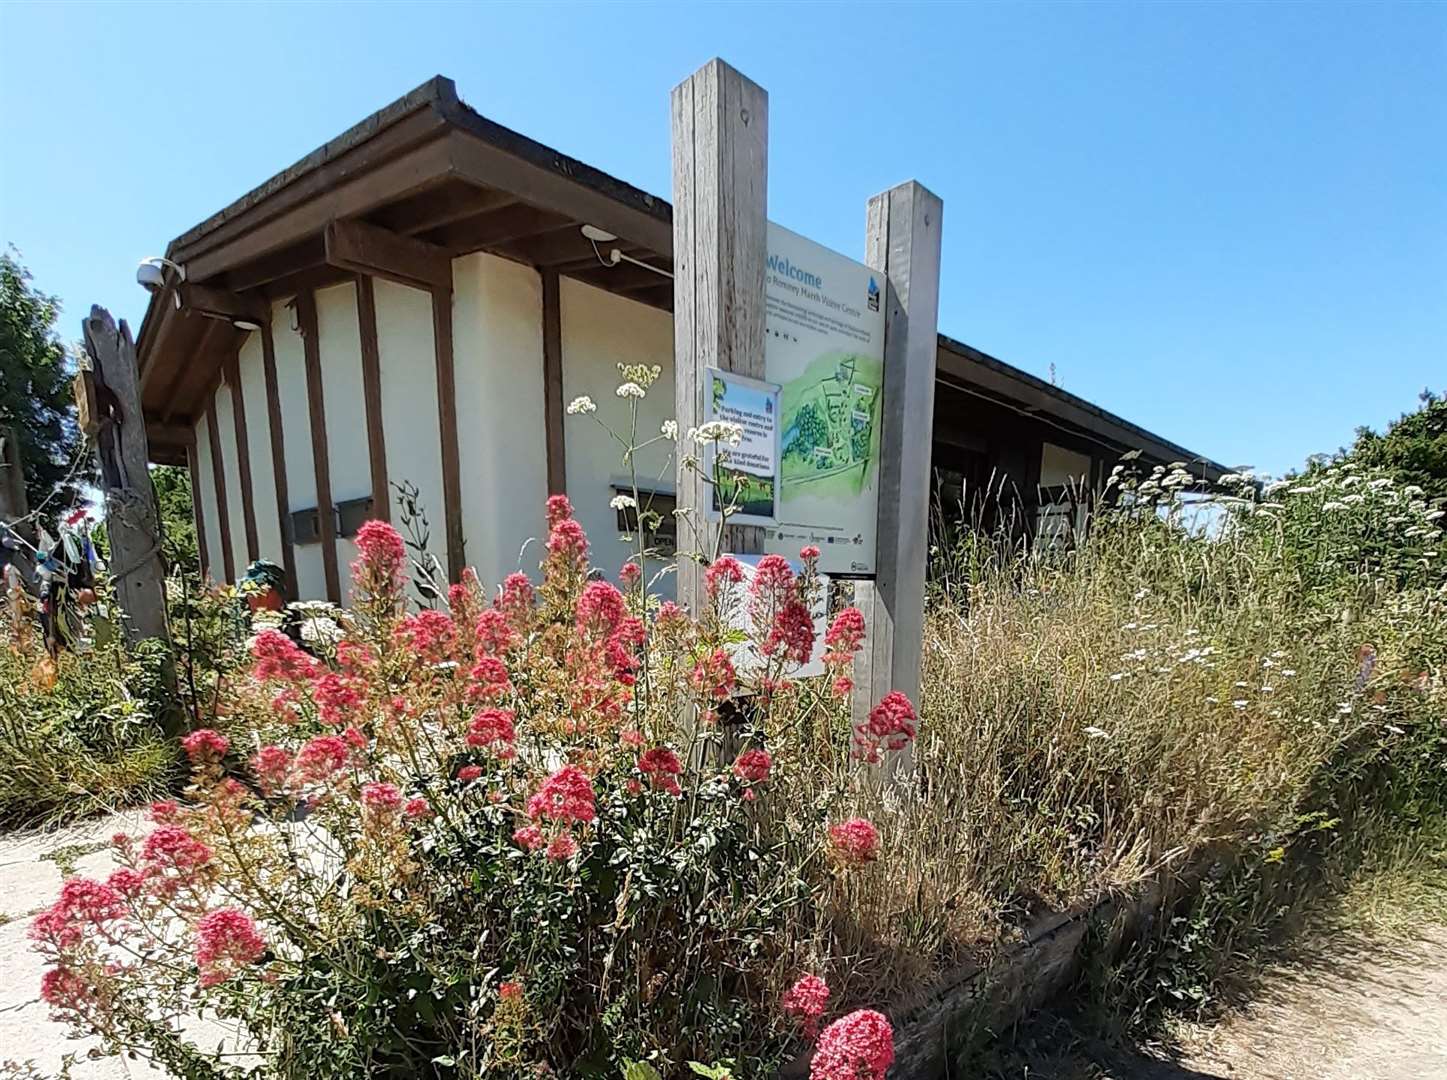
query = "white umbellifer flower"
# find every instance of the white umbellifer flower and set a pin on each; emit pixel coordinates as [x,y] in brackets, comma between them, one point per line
[1344,708]
[1239,703]
[622,502]
[1117,676]
[1304,489]
[1352,499]
[1435,515]
[630,390]
[319,630]
[582,404]
[1410,490]
[1333,506]
[718,431]
[1379,482]
[1288,672]
[669,428]
[1097,733]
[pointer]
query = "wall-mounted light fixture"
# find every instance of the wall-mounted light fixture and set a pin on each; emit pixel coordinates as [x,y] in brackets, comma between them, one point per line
[596,236]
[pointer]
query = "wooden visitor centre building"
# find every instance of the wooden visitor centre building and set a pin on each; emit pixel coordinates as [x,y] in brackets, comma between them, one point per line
[416,301]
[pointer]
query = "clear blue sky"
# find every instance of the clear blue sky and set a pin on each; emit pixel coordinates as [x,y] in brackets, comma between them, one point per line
[1225,222]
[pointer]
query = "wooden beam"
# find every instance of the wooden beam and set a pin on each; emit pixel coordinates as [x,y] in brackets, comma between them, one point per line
[436,207]
[496,228]
[223,304]
[198,510]
[553,383]
[243,457]
[306,311]
[902,240]
[720,186]
[278,456]
[307,255]
[621,278]
[447,428]
[372,397]
[218,481]
[367,249]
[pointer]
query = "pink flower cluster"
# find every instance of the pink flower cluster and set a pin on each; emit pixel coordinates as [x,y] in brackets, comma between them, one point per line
[890,726]
[493,729]
[227,941]
[321,757]
[854,842]
[753,767]
[859,1046]
[779,612]
[806,1001]
[714,676]
[337,697]
[662,769]
[566,796]
[381,557]
[205,744]
[427,634]
[84,906]
[277,657]
[720,574]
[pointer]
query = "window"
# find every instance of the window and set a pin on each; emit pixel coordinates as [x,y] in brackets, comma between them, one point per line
[657,509]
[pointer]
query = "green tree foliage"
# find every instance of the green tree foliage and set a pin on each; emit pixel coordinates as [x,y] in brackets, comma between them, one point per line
[178,522]
[35,376]
[1413,449]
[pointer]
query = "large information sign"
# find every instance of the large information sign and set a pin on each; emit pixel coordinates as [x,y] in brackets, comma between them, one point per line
[824,348]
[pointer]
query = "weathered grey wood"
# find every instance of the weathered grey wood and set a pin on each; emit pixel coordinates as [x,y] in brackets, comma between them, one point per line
[903,241]
[720,182]
[132,521]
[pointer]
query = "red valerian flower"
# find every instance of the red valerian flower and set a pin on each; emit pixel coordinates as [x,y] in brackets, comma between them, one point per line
[890,726]
[601,609]
[563,847]
[565,796]
[337,697]
[792,631]
[226,941]
[714,676]
[859,1046]
[515,601]
[172,847]
[558,509]
[630,575]
[417,807]
[488,679]
[510,991]
[468,773]
[662,767]
[271,765]
[854,842]
[164,811]
[806,1001]
[381,798]
[753,767]
[127,882]
[278,657]
[321,757]
[569,542]
[381,554]
[529,838]
[845,635]
[84,905]
[205,745]
[65,989]
[721,573]
[427,634]
[494,634]
[492,729]
[809,553]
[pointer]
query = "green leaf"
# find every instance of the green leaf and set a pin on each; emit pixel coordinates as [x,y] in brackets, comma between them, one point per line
[639,1070]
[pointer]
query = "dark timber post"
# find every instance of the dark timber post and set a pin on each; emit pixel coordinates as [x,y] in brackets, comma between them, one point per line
[132,521]
[720,180]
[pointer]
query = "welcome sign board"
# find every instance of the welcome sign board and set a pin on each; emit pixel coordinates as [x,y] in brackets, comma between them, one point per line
[824,349]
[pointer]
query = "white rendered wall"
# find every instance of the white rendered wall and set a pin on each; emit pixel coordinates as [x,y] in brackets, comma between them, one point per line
[258,438]
[340,344]
[235,523]
[600,331]
[498,357]
[1060,466]
[301,478]
[409,403]
[211,515]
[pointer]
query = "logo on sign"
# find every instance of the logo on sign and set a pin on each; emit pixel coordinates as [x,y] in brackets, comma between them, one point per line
[873,298]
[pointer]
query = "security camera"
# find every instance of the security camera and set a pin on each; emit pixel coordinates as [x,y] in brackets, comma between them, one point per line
[151,273]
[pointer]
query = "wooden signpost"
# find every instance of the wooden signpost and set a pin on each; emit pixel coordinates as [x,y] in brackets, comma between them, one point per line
[720,191]
[720,179]
[111,408]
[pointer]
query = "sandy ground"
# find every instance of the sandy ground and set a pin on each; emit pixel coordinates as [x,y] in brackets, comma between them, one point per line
[1346,1009]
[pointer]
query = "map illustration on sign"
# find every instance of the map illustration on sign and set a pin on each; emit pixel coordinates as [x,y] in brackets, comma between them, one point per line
[824,349]
[831,434]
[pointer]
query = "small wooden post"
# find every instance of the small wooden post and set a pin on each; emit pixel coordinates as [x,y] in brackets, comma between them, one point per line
[902,240]
[13,503]
[720,181]
[132,521]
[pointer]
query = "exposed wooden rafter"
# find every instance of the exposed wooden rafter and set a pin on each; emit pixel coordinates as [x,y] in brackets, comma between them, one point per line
[367,249]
